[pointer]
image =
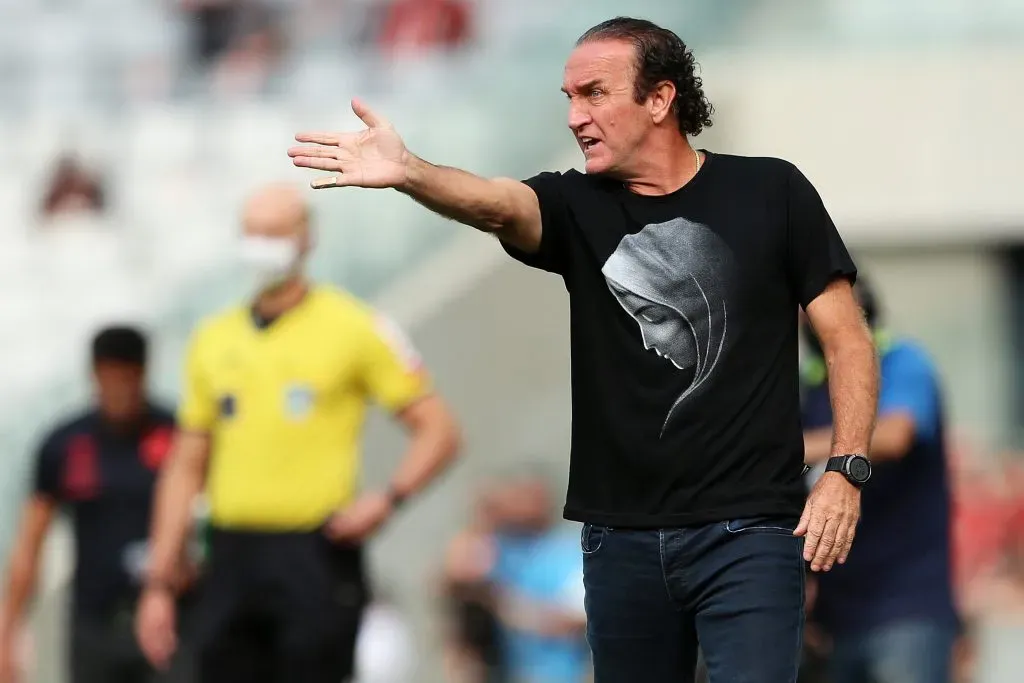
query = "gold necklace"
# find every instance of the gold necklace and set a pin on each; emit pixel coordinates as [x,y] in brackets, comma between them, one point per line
[696,155]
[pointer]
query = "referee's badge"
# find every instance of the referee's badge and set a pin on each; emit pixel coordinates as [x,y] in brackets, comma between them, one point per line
[298,401]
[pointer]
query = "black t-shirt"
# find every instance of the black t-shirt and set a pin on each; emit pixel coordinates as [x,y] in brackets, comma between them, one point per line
[105,479]
[683,328]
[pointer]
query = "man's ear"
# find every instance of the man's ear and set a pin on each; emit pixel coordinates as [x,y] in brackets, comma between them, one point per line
[660,101]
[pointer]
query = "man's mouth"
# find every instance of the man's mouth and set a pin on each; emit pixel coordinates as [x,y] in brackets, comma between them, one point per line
[588,143]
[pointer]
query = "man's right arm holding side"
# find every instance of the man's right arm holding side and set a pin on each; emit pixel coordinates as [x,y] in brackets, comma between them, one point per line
[378,158]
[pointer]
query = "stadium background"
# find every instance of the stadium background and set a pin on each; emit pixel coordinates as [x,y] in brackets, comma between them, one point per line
[904,114]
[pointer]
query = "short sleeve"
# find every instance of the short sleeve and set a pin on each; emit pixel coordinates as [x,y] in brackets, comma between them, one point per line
[553,254]
[392,370]
[46,478]
[816,253]
[908,385]
[197,410]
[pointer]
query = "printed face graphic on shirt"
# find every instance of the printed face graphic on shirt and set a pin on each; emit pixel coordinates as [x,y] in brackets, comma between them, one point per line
[670,277]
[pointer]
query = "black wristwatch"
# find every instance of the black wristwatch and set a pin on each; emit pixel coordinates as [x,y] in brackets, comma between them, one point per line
[856,468]
[396,498]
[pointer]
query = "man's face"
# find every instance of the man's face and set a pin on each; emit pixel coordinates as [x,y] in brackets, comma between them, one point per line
[276,237]
[604,116]
[120,389]
[523,506]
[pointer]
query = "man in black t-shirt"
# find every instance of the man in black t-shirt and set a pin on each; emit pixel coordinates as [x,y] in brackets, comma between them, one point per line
[100,466]
[685,271]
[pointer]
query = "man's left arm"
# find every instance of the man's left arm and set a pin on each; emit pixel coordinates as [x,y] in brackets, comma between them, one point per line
[820,271]
[830,517]
[395,378]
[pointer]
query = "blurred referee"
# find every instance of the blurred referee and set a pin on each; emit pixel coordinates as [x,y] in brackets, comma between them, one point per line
[272,412]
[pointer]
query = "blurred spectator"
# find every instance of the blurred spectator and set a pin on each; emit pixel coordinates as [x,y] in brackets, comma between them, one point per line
[250,64]
[238,44]
[214,24]
[101,466]
[472,649]
[532,572]
[889,610]
[414,26]
[73,189]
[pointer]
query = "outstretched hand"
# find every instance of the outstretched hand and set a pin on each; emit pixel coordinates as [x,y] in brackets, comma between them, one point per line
[375,157]
[829,521]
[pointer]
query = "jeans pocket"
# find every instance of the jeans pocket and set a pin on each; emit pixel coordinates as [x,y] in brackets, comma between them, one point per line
[591,538]
[781,526]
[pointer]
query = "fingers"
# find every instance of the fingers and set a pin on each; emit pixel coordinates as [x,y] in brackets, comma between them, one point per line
[815,527]
[368,116]
[805,520]
[319,138]
[322,183]
[844,553]
[311,151]
[824,554]
[158,643]
[318,163]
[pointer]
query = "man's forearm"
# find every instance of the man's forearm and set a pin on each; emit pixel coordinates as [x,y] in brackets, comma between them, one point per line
[853,389]
[432,448]
[24,562]
[891,439]
[482,203]
[178,486]
[20,584]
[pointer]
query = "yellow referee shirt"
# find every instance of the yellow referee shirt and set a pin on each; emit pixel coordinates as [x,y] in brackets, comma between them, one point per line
[284,406]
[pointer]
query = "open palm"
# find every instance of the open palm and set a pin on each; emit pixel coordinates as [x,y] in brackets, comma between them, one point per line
[375,157]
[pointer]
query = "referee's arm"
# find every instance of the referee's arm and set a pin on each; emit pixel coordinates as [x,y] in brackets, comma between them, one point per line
[394,377]
[182,479]
[179,484]
[433,445]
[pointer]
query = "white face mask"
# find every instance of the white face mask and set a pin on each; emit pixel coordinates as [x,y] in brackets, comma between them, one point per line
[269,260]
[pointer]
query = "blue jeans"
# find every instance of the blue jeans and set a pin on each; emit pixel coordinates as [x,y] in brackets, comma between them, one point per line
[737,587]
[902,652]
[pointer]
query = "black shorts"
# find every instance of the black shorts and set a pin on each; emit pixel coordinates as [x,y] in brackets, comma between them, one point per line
[279,607]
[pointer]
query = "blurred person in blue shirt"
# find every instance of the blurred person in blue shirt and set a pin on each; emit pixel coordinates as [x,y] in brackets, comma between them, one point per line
[533,570]
[889,610]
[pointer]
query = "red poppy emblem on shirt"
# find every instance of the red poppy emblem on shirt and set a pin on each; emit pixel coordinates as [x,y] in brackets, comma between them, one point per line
[155,446]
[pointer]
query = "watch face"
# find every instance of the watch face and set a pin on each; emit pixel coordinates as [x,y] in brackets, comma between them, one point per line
[860,470]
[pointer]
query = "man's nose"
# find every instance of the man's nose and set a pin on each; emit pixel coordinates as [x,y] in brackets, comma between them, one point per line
[578,116]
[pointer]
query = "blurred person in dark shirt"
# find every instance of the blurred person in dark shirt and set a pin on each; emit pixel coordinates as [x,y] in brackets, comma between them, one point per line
[72,189]
[100,466]
[889,611]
